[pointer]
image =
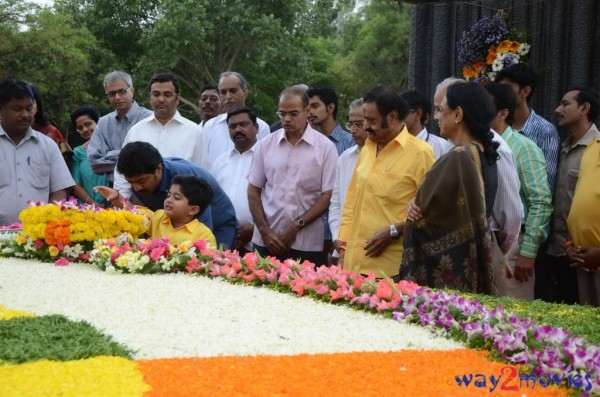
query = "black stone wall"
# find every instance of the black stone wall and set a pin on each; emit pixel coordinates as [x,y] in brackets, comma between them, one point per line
[564,36]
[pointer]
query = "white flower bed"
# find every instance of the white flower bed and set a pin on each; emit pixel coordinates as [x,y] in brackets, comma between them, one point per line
[177,315]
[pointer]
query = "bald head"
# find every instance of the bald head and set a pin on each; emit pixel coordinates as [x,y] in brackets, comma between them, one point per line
[440,92]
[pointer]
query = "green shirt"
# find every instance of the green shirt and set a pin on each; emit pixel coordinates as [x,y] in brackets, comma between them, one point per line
[535,193]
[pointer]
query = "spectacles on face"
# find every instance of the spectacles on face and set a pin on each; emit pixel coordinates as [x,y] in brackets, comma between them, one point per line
[121,92]
[293,114]
[166,95]
[355,124]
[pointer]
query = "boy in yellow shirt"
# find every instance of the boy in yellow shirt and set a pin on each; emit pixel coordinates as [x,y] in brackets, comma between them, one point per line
[187,198]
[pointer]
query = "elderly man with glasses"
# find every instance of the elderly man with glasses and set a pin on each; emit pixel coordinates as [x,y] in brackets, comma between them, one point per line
[105,144]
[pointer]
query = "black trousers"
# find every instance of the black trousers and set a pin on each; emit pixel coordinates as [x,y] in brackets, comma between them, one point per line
[316,257]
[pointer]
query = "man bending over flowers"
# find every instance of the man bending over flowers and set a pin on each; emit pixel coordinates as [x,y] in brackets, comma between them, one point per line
[150,175]
[186,199]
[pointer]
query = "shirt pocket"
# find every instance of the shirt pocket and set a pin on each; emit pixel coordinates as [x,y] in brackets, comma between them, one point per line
[391,187]
[40,175]
[572,178]
[4,173]
[310,180]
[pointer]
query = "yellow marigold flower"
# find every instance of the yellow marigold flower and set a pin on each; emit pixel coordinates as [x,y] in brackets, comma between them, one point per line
[53,251]
[20,239]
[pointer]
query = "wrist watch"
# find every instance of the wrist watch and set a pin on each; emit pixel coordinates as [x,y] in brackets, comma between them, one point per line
[394,235]
[300,222]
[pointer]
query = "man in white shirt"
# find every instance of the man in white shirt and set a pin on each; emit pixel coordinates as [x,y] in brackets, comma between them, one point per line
[169,132]
[209,105]
[418,116]
[231,171]
[233,89]
[345,168]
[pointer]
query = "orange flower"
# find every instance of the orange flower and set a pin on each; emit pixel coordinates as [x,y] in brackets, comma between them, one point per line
[508,45]
[469,72]
[491,56]
[411,372]
[49,233]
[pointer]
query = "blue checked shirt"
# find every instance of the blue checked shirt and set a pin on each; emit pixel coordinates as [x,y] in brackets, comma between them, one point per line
[545,135]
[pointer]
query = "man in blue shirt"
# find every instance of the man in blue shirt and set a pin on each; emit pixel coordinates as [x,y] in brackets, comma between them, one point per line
[105,145]
[150,177]
[523,81]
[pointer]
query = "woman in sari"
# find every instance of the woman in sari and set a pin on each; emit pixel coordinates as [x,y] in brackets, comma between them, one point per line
[84,119]
[446,245]
[41,123]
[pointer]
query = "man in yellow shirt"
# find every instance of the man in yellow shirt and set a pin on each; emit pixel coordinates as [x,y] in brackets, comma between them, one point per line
[390,167]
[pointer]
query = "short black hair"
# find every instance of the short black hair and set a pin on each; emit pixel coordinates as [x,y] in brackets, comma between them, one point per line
[245,109]
[164,78]
[387,101]
[85,110]
[325,94]
[504,98]
[14,89]
[195,189]
[138,158]
[208,87]
[417,100]
[589,95]
[521,74]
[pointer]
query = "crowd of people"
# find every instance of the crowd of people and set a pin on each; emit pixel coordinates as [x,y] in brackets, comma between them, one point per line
[495,204]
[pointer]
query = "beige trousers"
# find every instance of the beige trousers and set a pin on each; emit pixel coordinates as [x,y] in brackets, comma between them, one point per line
[514,288]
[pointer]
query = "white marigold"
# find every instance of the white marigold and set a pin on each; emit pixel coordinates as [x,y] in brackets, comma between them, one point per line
[497,65]
[523,49]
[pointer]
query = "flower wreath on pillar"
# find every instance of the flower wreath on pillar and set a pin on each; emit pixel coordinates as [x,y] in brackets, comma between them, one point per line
[489,46]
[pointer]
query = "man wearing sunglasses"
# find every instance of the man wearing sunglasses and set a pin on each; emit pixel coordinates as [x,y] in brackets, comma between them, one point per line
[105,144]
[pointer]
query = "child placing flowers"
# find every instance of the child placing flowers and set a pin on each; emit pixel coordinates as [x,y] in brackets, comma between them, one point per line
[187,198]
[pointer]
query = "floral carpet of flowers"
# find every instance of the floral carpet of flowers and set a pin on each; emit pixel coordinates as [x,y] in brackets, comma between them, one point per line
[487,47]
[155,314]
[539,349]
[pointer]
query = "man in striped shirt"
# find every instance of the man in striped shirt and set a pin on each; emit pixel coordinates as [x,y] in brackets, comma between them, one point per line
[535,195]
[523,81]
[290,184]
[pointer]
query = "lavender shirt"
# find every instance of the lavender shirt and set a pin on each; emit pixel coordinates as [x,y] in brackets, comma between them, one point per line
[293,178]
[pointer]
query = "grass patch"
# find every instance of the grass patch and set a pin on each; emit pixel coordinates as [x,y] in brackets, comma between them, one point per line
[54,338]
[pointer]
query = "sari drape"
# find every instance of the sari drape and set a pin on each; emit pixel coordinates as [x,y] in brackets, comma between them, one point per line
[449,247]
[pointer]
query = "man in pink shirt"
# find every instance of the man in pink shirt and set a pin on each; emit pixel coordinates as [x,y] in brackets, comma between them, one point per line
[290,184]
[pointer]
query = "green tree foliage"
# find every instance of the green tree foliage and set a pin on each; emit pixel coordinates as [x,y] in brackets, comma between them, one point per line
[351,45]
[54,55]
[373,49]
[199,39]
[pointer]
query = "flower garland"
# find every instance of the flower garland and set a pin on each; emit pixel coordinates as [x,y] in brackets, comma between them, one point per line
[489,46]
[64,230]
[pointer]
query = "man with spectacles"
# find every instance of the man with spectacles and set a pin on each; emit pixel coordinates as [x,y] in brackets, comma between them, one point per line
[418,116]
[390,167]
[209,105]
[345,169]
[105,145]
[167,130]
[290,184]
[233,89]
